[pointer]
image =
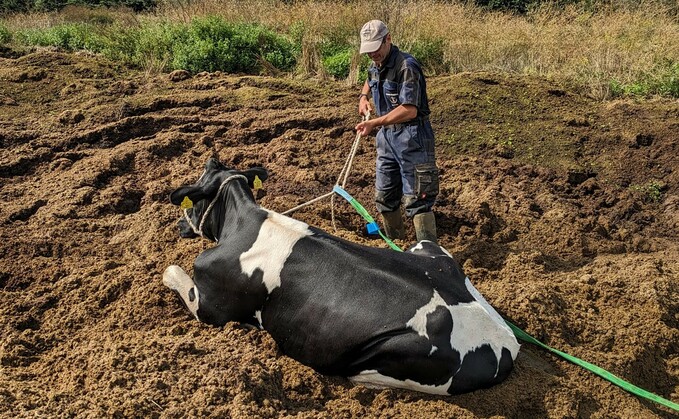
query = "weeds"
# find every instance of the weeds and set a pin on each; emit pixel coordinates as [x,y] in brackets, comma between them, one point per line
[5,35]
[206,44]
[663,80]
[652,191]
[608,51]
[71,37]
[211,44]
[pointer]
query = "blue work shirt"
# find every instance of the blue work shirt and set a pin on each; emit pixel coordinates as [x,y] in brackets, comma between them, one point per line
[399,81]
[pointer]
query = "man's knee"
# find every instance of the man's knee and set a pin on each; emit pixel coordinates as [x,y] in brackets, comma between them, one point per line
[388,201]
[414,205]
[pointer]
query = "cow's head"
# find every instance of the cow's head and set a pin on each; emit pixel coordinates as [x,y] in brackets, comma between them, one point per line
[196,198]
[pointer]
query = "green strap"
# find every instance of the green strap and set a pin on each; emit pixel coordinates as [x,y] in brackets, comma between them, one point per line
[596,370]
[364,213]
[528,338]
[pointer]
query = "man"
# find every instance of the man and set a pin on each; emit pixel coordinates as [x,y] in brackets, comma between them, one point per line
[406,164]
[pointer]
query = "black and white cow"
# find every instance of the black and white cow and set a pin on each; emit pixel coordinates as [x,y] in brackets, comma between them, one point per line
[380,317]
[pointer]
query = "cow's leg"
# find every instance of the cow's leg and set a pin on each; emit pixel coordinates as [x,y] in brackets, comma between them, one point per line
[412,360]
[177,280]
[408,362]
[411,369]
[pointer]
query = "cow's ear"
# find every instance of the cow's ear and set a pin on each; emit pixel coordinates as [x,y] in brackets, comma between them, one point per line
[214,164]
[194,193]
[256,172]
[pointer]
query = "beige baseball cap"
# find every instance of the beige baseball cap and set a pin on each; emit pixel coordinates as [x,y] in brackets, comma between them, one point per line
[372,34]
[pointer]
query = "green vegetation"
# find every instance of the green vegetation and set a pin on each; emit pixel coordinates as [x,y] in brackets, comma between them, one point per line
[5,35]
[652,191]
[337,65]
[663,81]
[211,44]
[71,37]
[608,49]
[206,44]
[518,6]
[429,52]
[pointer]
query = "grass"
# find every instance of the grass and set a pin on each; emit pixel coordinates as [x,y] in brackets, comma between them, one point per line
[5,35]
[608,52]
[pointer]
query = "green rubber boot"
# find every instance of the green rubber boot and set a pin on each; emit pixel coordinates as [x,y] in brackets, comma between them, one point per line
[425,226]
[393,225]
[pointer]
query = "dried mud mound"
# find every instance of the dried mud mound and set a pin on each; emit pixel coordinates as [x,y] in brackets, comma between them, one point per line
[564,213]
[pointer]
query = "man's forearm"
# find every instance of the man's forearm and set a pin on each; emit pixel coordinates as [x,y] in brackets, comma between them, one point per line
[400,114]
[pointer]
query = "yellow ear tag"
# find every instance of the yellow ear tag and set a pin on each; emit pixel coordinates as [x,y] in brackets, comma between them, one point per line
[257,183]
[186,203]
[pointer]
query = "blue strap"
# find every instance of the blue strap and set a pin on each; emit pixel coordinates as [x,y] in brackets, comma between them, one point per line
[341,192]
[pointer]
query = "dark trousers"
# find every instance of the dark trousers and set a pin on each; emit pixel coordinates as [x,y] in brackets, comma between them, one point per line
[406,168]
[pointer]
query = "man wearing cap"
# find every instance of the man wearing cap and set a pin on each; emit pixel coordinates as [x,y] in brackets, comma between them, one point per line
[406,164]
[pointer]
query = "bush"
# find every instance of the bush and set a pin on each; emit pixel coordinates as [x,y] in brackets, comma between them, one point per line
[211,44]
[518,6]
[22,6]
[336,50]
[69,36]
[338,65]
[524,6]
[13,6]
[207,44]
[148,45]
[429,52]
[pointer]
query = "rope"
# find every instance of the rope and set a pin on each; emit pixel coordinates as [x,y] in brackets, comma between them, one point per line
[199,230]
[343,175]
[307,203]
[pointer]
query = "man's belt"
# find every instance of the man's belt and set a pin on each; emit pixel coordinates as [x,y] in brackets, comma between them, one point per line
[416,121]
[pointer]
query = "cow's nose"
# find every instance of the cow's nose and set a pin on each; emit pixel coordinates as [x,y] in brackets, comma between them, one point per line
[185,230]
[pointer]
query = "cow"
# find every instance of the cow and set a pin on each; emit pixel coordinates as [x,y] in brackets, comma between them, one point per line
[379,317]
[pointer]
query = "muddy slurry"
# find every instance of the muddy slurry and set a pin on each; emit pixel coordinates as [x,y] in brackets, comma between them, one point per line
[563,211]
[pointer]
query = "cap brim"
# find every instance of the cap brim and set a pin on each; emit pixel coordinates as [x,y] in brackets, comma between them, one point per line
[372,46]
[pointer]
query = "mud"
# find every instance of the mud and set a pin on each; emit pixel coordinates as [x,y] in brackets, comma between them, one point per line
[563,211]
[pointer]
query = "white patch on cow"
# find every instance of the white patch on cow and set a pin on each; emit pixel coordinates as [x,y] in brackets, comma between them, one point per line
[474,324]
[176,279]
[373,379]
[477,324]
[473,327]
[419,321]
[258,316]
[446,252]
[433,349]
[504,332]
[418,247]
[277,236]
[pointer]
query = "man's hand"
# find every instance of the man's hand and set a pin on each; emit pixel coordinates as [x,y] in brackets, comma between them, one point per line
[400,114]
[364,128]
[364,107]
